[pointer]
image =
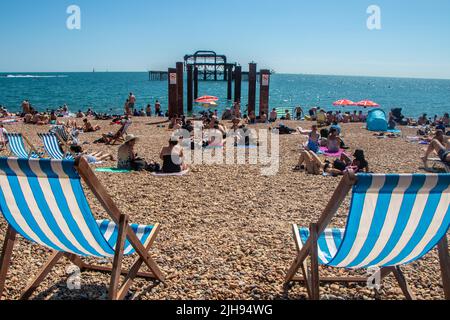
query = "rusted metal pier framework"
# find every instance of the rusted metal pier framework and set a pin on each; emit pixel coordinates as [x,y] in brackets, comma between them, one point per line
[207,65]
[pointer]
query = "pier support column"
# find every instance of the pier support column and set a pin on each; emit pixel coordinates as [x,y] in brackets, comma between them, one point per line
[180,88]
[252,88]
[195,83]
[237,83]
[173,92]
[229,76]
[190,97]
[264,92]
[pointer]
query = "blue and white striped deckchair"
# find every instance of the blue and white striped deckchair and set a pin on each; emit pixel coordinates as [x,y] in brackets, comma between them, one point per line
[393,220]
[17,146]
[51,146]
[43,201]
[281,112]
[60,130]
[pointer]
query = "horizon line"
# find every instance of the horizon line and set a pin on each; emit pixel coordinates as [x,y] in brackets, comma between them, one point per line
[277,73]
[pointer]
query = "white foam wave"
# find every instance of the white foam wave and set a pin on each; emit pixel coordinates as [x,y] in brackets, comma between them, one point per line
[33,76]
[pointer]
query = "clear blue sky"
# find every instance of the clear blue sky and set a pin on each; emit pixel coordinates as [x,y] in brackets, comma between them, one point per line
[290,36]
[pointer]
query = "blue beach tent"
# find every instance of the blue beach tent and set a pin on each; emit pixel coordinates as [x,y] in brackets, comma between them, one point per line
[377,120]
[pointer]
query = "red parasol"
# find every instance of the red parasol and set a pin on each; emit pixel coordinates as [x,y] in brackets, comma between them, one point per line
[206,99]
[344,102]
[367,103]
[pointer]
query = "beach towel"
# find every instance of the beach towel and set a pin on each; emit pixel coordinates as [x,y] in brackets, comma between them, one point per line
[324,151]
[176,174]
[246,147]
[112,170]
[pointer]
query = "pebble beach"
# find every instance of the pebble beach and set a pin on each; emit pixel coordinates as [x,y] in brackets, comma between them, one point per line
[225,229]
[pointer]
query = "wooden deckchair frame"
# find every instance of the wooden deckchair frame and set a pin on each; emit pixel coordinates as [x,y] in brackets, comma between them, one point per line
[66,146]
[311,277]
[125,232]
[119,136]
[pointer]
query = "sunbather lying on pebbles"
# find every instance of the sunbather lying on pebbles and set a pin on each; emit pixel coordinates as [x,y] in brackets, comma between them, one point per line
[441,145]
[310,162]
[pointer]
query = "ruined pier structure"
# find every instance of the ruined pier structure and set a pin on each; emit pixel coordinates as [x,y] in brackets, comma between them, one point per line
[209,66]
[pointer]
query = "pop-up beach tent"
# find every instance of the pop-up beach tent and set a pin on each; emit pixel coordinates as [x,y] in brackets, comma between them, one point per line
[377,121]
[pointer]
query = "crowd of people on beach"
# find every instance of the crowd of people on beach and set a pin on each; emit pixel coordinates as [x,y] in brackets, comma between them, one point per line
[320,140]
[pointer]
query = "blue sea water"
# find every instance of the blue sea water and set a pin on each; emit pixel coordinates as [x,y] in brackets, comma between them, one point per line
[107,91]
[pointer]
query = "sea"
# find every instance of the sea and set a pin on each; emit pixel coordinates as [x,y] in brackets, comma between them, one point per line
[106,92]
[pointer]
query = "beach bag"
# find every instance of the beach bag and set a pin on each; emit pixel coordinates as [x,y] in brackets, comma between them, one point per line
[139,164]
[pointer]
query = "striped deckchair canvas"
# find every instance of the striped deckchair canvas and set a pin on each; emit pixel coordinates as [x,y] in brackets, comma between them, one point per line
[17,146]
[281,112]
[393,220]
[51,146]
[43,201]
[61,132]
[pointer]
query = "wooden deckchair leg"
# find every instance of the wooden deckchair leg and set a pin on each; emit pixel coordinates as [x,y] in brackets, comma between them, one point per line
[105,200]
[307,278]
[5,259]
[136,266]
[444,261]
[403,283]
[41,275]
[315,281]
[118,256]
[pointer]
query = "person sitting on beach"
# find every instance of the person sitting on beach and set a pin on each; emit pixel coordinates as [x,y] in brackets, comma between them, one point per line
[25,107]
[175,123]
[314,165]
[252,117]
[313,138]
[333,141]
[88,127]
[97,157]
[362,117]
[148,110]
[263,118]
[273,115]
[298,113]
[440,145]
[321,118]
[391,122]
[287,116]
[172,157]
[80,114]
[127,158]
[313,113]
[158,112]
[446,120]
[89,113]
[423,120]
[345,164]
[337,127]
[3,138]
[110,137]
[310,162]
[215,137]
